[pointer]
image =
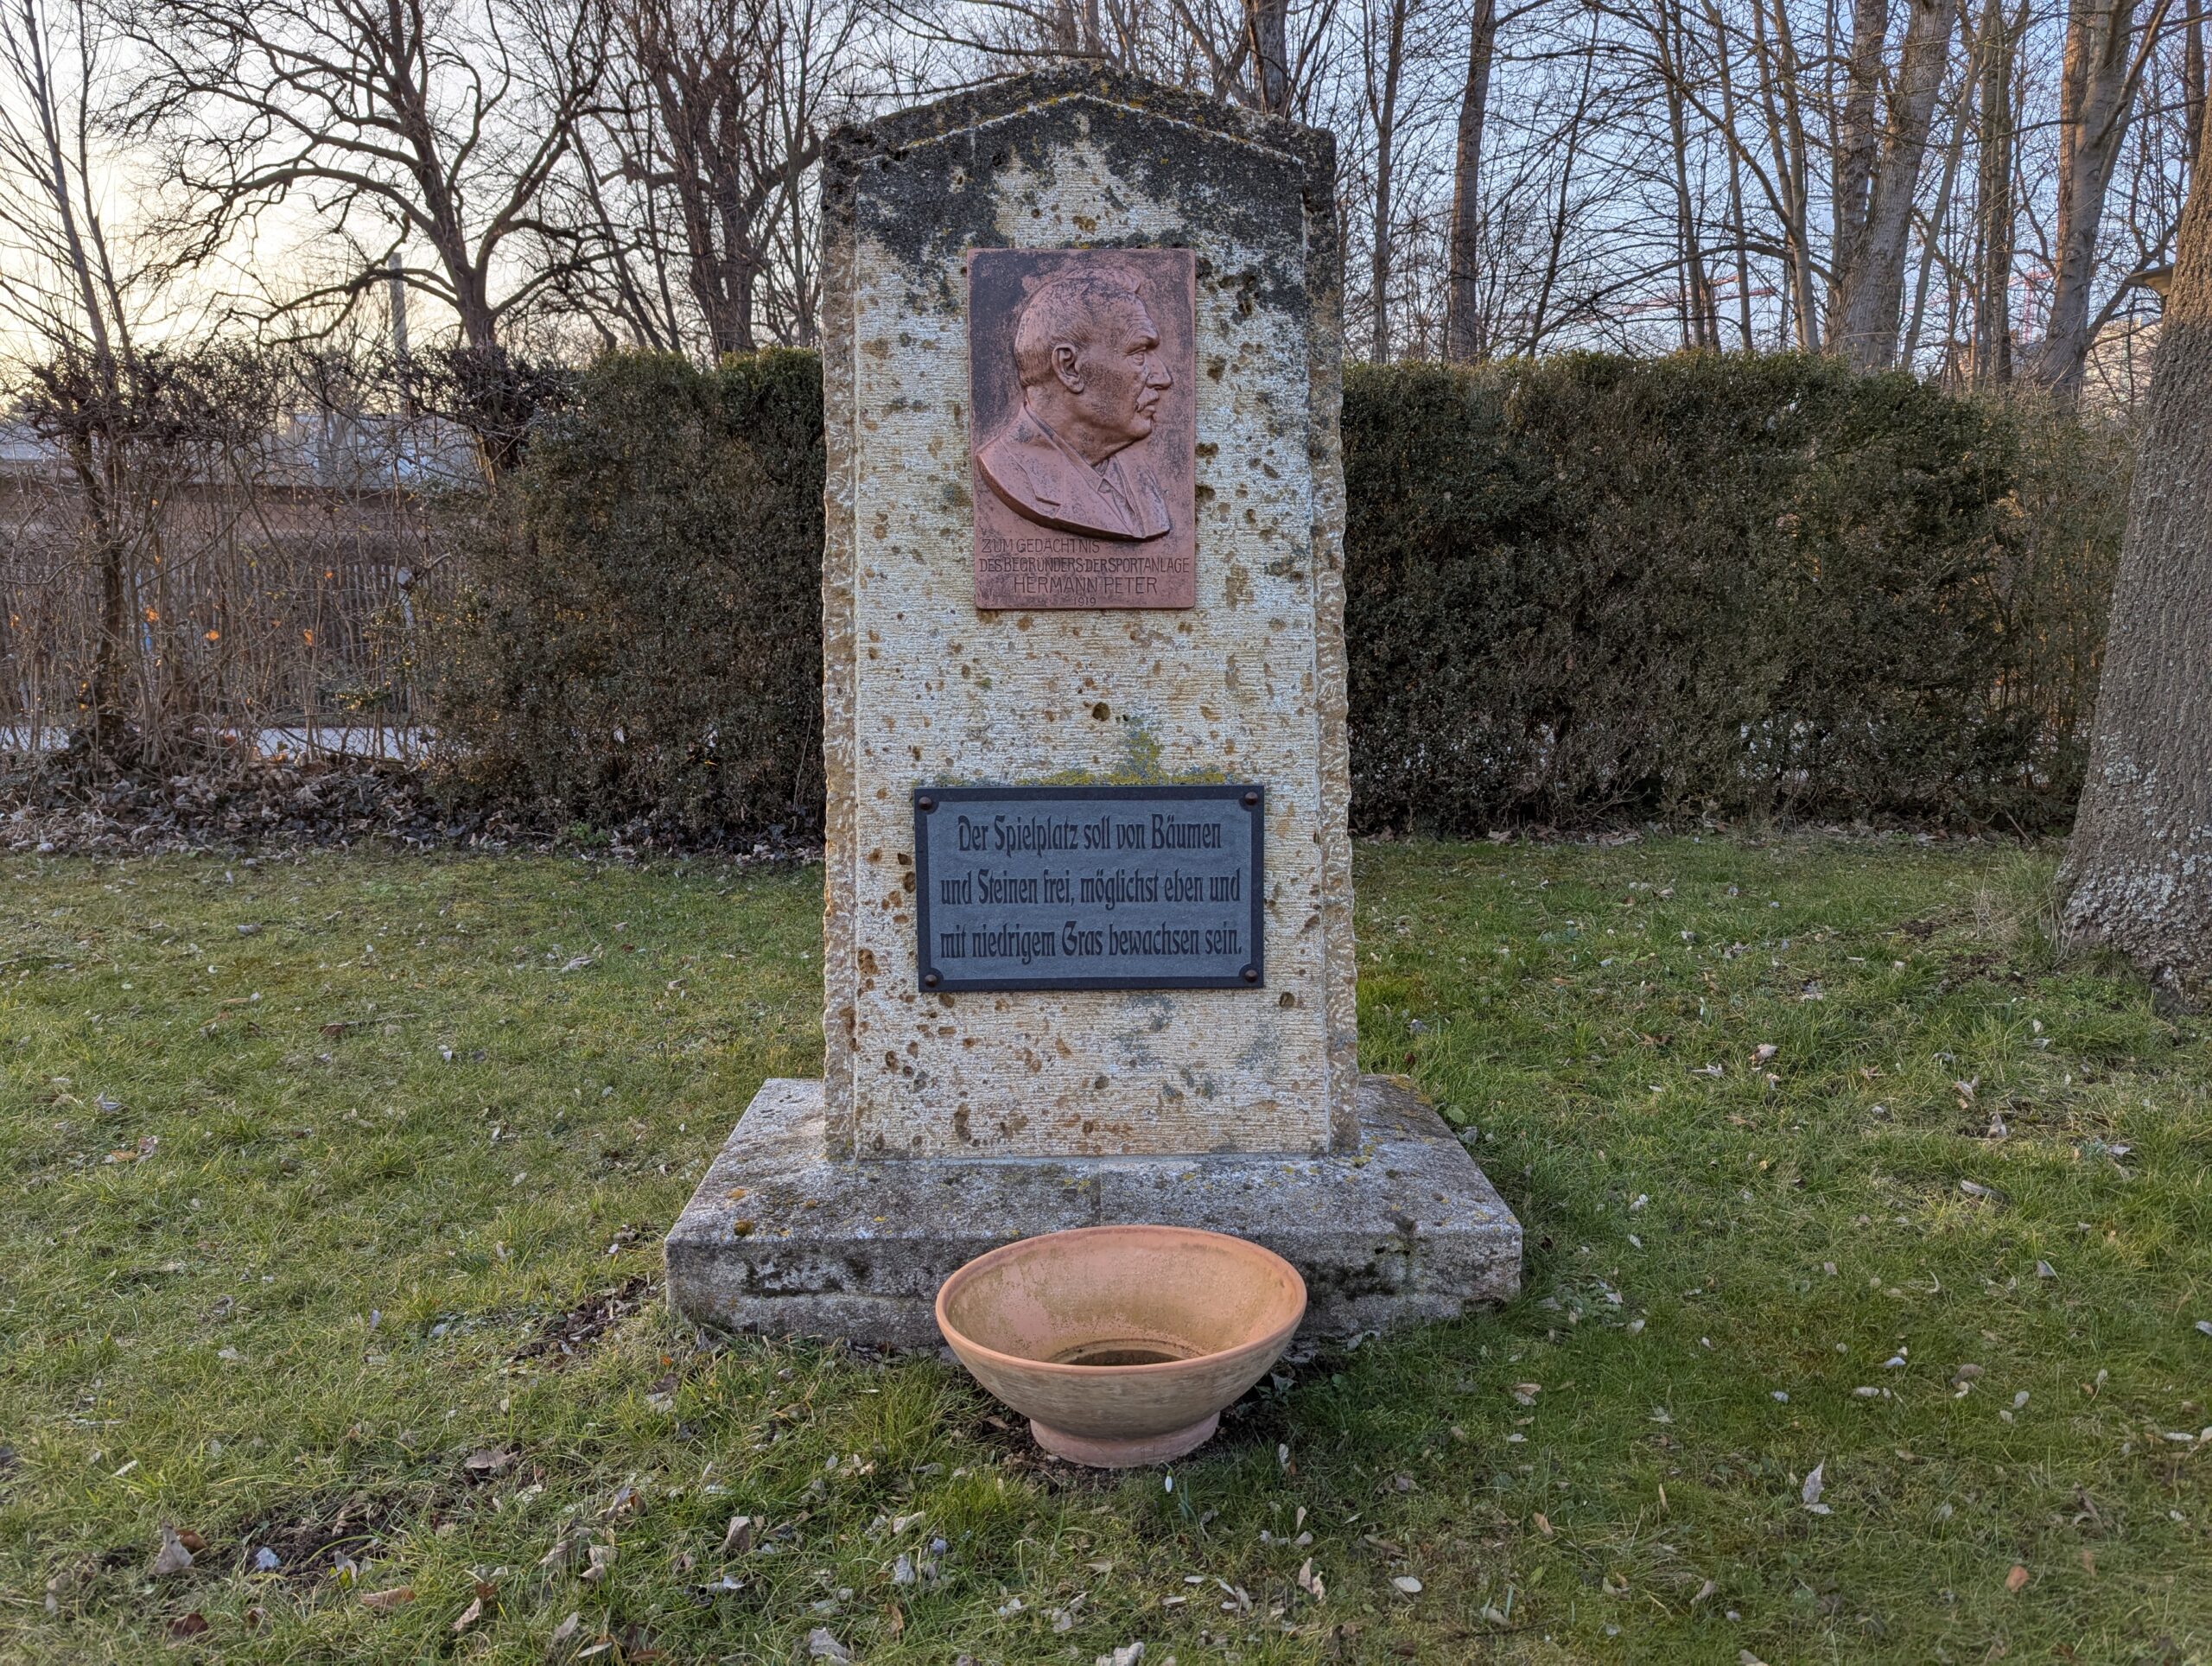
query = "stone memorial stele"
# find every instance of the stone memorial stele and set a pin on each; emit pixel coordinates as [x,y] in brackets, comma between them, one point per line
[1088,929]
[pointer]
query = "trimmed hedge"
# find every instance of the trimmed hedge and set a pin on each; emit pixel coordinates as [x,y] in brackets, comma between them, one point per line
[642,650]
[1581,590]
[1594,589]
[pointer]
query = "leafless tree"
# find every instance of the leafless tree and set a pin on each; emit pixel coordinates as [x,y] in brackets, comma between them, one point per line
[1997,52]
[1873,244]
[1463,342]
[403,131]
[695,171]
[1383,27]
[2108,48]
[76,296]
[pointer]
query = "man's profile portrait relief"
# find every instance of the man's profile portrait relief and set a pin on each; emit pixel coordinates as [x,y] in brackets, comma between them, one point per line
[1088,356]
[1081,367]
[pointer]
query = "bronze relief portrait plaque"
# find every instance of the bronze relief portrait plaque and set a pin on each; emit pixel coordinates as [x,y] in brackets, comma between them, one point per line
[1082,434]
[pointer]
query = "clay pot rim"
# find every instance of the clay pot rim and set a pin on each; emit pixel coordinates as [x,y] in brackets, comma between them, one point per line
[1277,1339]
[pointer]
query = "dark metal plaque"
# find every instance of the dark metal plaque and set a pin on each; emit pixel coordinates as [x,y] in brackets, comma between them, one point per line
[1084,437]
[1088,887]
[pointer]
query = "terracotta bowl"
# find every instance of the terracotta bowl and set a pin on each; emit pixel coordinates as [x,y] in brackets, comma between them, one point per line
[1122,1345]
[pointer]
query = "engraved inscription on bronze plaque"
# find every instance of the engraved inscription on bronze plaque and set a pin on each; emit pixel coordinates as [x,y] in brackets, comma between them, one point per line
[1082,427]
[1088,887]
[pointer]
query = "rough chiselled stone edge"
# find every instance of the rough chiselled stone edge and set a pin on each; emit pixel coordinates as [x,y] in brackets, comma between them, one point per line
[1405,1229]
[1324,289]
[851,144]
[839,536]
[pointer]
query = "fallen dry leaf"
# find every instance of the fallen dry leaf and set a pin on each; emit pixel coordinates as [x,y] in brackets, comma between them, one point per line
[384,1602]
[2018,1578]
[172,1557]
[561,1554]
[624,1502]
[469,1615]
[563,1634]
[1310,1582]
[1814,1483]
[490,1460]
[1543,1524]
[187,1626]
[737,1539]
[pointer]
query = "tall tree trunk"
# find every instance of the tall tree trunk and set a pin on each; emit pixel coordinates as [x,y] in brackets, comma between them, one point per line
[1779,80]
[2096,86]
[103,698]
[1857,139]
[1463,332]
[1871,295]
[2139,869]
[1699,320]
[1382,103]
[1993,311]
[1266,25]
[1735,192]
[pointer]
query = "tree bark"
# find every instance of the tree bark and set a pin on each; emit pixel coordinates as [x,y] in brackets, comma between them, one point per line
[1871,296]
[2192,73]
[1463,333]
[1266,25]
[2138,876]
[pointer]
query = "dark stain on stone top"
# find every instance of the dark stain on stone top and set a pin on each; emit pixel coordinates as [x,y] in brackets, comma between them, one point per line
[1238,186]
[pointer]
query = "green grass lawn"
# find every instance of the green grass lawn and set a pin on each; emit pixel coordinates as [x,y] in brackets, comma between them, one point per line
[334,1190]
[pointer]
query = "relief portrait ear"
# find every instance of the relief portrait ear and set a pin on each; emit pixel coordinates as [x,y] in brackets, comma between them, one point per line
[1067,364]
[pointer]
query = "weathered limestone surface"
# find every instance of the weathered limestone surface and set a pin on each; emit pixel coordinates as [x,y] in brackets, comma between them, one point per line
[920,687]
[1402,1227]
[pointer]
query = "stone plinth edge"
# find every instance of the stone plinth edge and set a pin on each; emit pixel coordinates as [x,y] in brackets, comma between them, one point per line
[781,1240]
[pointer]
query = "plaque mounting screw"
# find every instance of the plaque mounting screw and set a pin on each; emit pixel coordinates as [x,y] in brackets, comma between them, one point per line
[1250,973]
[931,980]
[1251,800]
[925,804]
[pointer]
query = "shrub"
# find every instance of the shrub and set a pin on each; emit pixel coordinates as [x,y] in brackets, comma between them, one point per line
[642,649]
[1581,590]
[1594,589]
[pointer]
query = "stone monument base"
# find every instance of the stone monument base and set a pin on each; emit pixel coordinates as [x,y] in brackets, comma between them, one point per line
[780,1239]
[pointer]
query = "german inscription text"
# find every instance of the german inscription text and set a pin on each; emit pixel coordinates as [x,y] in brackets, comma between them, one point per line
[1144,887]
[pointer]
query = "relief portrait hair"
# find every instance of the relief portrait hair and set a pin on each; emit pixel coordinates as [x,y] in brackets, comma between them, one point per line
[1069,309]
